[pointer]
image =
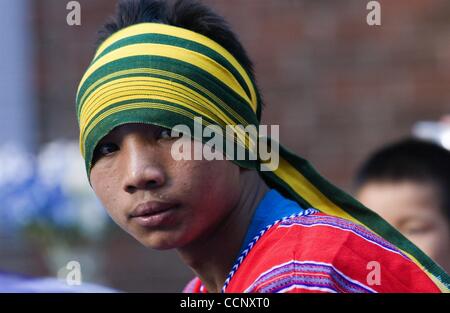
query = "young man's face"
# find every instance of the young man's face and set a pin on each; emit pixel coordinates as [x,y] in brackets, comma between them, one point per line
[415,210]
[185,199]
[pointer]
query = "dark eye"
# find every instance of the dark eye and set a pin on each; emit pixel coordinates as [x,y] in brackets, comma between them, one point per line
[166,133]
[417,229]
[105,149]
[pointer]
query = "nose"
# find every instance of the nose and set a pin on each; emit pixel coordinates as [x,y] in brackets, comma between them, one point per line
[142,169]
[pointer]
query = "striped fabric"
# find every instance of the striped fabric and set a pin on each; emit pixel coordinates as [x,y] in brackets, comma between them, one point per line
[330,221]
[314,276]
[304,254]
[165,75]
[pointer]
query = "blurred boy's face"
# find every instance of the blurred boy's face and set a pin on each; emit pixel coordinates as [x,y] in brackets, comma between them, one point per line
[415,210]
[184,199]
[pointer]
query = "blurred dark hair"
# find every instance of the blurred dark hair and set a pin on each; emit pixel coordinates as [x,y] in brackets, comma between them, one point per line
[409,159]
[188,14]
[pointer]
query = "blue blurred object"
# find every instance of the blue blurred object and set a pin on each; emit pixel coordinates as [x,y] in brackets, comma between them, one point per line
[47,203]
[49,189]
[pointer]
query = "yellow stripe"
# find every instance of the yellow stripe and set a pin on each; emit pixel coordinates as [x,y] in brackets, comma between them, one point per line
[301,185]
[163,73]
[125,107]
[143,89]
[138,105]
[132,95]
[185,55]
[241,134]
[162,94]
[132,83]
[162,29]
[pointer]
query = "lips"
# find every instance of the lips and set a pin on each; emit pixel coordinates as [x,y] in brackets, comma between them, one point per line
[153,213]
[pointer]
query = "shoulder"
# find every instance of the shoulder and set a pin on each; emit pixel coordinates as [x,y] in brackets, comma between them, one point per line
[322,253]
[336,236]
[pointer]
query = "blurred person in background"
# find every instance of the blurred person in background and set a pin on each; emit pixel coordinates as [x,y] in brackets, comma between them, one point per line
[408,184]
[238,227]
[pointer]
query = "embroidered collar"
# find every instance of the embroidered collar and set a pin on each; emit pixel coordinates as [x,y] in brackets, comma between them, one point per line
[272,207]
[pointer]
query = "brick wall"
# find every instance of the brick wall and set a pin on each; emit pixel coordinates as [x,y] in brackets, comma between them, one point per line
[337,87]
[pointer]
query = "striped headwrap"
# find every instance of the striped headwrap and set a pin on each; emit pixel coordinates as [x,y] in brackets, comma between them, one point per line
[165,75]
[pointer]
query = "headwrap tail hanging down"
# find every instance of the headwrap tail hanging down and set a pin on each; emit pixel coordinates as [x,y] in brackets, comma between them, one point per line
[165,75]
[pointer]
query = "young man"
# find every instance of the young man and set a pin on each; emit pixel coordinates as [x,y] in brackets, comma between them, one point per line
[237,225]
[408,184]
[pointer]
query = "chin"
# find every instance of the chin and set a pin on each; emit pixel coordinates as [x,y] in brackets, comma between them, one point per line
[159,241]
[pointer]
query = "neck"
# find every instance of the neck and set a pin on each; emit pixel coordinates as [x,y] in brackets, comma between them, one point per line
[212,258]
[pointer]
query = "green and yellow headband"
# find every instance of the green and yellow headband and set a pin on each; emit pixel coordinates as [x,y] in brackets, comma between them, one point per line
[151,68]
[165,75]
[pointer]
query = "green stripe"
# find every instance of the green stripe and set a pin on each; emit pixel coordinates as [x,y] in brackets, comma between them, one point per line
[190,87]
[201,77]
[181,43]
[146,100]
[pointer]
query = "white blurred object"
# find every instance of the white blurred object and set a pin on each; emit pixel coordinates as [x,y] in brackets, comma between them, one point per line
[50,187]
[438,132]
[16,164]
[60,162]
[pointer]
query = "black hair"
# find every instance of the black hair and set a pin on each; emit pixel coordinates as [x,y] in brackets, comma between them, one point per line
[189,14]
[409,160]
